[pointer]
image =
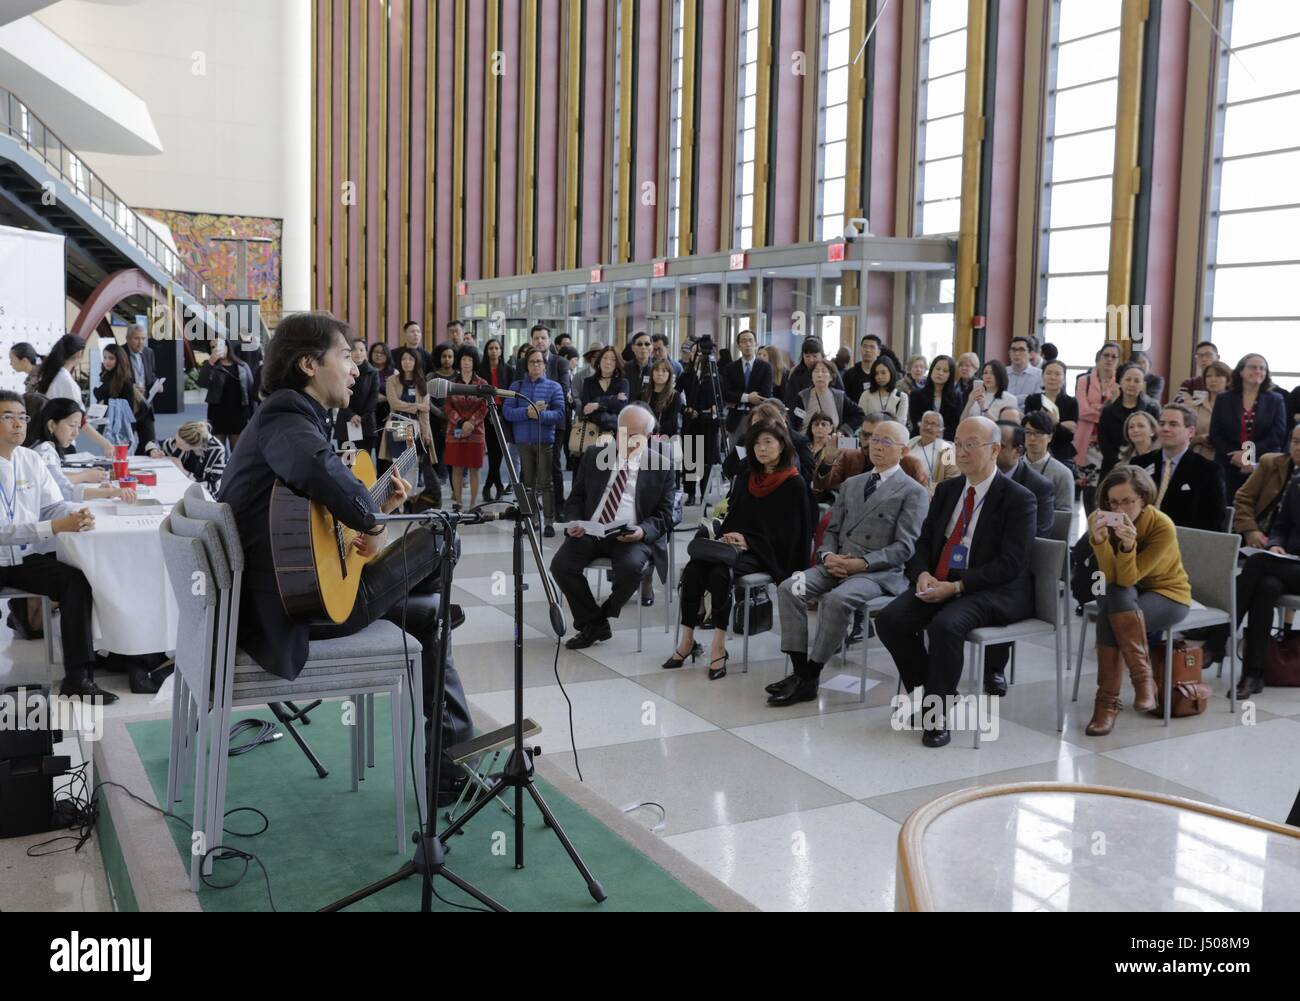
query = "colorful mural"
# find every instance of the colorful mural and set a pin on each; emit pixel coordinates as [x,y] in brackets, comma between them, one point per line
[215,260]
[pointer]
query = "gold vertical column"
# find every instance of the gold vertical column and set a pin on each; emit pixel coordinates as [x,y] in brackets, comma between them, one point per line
[622,251]
[527,183]
[811,49]
[664,161]
[316,165]
[458,147]
[345,238]
[686,173]
[1127,176]
[363,207]
[972,150]
[387,310]
[763,121]
[404,178]
[568,258]
[491,94]
[432,296]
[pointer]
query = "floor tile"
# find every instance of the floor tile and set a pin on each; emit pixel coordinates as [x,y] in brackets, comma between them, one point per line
[490,667]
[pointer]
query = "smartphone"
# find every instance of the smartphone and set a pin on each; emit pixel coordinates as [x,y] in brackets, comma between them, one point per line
[1111,519]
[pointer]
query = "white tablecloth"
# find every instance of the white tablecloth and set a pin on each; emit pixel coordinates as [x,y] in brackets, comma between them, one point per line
[135,611]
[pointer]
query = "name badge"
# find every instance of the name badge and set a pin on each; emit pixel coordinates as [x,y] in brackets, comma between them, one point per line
[957,558]
[799,412]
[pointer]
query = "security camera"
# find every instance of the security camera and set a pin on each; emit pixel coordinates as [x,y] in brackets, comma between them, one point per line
[855,228]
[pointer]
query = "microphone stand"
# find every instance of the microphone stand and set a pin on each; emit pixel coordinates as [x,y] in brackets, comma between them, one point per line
[518,772]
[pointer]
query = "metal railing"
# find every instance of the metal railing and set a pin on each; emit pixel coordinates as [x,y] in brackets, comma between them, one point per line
[17,121]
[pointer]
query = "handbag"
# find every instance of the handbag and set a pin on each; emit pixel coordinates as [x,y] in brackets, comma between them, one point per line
[713,551]
[1191,695]
[760,611]
[582,434]
[1282,661]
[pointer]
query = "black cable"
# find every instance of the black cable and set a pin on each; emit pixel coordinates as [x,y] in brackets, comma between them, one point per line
[572,740]
[266,733]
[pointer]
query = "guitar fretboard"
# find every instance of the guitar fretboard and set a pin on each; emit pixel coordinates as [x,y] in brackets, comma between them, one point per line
[403,464]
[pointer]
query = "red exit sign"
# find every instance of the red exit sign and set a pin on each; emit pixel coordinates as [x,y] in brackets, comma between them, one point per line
[661,269]
[597,274]
[738,261]
[835,252]
[462,288]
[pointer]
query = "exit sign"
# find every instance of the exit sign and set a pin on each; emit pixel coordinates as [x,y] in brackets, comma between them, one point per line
[661,269]
[597,274]
[462,288]
[835,252]
[738,261]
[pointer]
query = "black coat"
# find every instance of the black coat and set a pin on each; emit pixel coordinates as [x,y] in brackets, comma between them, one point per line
[287,439]
[1044,491]
[607,400]
[669,417]
[1286,526]
[921,402]
[1062,446]
[1195,498]
[777,528]
[1110,428]
[638,379]
[734,386]
[698,392]
[799,379]
[1000,548]
[364,403]
[213,377]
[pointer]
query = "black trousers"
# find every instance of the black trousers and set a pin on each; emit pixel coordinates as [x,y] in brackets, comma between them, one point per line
[1261,582]
[557,465]
[494,455]
[903,621]
[385,582]
[630,560]
[144,429]
[700,576]
[41,573]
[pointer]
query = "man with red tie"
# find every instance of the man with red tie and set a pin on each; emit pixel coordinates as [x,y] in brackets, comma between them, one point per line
[970,569]
[625,482]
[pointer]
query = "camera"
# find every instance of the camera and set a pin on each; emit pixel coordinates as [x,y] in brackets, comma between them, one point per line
[706,348]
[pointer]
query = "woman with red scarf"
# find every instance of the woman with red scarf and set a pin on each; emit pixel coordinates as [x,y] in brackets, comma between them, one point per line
[769,522]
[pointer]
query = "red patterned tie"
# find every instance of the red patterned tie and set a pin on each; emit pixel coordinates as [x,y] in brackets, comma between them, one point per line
[615,496]
[958,530]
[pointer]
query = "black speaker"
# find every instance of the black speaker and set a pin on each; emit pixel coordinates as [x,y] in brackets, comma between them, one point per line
[27,794]
[27,718]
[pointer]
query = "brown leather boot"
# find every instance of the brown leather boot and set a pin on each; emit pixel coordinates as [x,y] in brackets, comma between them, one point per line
[1110,674]
[1130,630]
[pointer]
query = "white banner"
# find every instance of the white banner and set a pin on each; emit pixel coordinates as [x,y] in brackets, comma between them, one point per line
[32,295]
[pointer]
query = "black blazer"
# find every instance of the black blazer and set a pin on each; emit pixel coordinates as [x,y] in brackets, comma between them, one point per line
[653,503]
[1000,547]
[1062,446]
[921,402]
[734,385]
[1044,491]
[638,379]
[364,402]
[1225,426]
[286,439]
[669,420]
[1286,526]
[1196,497]
[607,401]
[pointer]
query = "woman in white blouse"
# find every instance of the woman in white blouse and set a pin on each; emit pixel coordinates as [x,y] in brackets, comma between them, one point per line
[57,382]
[60,422]
[882,395]
[989,396]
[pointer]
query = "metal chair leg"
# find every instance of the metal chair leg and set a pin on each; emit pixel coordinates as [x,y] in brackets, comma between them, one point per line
[1078,663]
[745,668]
[1169,675]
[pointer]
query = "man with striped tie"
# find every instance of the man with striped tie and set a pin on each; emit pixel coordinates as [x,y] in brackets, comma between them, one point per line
[627,481]
[970,569]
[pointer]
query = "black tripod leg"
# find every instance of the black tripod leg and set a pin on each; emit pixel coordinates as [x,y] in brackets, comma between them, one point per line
[465,887]
[593,885]
[458,825]
[287,722]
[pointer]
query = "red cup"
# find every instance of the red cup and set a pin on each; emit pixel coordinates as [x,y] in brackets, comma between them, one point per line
[121,449]
[146,478]
[128,483]
[120,466]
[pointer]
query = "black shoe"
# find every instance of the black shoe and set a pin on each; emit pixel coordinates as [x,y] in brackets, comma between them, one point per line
[995,683]
[87,689]
[549,532]
[647,600]
[803,690]
[1248,685]
[456,616]
[143,681]
[936,738]
[672,661]
[779,686]
[590,635]
[717,674]
[855,635]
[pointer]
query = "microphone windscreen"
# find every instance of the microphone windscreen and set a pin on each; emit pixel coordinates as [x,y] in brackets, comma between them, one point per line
[438,388]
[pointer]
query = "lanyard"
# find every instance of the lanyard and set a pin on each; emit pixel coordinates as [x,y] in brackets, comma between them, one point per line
[10,500]
[929,456]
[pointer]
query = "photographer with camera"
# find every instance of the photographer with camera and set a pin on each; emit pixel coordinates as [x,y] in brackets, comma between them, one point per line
[703,393]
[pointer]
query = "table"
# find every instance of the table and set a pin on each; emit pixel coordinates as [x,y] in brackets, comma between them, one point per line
[135,611]
[1049,846]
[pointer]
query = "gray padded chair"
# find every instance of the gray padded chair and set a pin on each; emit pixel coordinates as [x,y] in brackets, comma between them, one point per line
[749,583]
[359,666]
[47,620]
[874,607]
[1045,566]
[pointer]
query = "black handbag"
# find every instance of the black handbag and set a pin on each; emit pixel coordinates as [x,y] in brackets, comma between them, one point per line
[713,551]
[760,611]
[1082,568]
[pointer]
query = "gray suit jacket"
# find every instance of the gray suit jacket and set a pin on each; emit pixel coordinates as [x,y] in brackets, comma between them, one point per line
[882,530]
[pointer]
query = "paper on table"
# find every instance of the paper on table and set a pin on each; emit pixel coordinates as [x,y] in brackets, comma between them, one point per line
[596,528]
[848,683]
[155,389]
[1253,551]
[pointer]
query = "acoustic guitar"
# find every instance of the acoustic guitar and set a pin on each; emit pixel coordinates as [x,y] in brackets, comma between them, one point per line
[316,568]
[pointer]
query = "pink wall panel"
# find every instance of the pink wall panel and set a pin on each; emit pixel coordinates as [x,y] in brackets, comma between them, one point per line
[508,148]
[338,142]
[475,55]
[783,181]
[444,278]
[374,232]
[591,181]
[548,130]
[354,264]
[646,168]
[1005,188]
[419,168]
[396,175]
[324,121]
[884,159]
[708,235]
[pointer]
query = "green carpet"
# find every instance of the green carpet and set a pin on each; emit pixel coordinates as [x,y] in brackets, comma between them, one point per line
[325,841]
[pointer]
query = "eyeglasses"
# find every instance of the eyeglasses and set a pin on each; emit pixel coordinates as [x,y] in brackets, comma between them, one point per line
[885,442]
[1032,433]
[15,418]
[970,446]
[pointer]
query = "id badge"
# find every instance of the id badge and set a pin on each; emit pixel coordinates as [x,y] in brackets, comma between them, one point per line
[957,558]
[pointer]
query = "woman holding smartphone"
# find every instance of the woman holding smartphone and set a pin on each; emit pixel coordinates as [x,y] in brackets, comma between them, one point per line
[1146,590]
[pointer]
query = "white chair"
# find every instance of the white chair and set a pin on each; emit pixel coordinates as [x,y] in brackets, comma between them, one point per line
[1045,562]
[47,620]
[604,564]
[873,608]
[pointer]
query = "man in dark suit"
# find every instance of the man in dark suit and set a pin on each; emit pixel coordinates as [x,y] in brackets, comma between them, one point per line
[746,382]
[1189,486]
[413,340]
[1011,462]
[637,369]
[308,372]
[630,481]
[970,569]
[142,368]
[557,370]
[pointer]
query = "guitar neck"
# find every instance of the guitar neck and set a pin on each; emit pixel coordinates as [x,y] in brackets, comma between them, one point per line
[403,464]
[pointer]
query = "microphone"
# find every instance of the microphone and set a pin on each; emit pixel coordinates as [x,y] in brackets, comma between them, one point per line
[440,389]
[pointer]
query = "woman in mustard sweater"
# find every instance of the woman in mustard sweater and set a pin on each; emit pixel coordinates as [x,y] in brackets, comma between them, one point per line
[1146,588]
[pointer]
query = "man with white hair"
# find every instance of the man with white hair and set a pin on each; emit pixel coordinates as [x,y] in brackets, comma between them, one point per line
[932,451]
[629,482]
[874,524]
[144,371]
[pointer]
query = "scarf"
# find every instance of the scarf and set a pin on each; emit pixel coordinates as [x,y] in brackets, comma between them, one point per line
[762,484]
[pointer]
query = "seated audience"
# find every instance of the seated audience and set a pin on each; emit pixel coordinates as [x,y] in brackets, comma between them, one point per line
[873,528]
[769,524]
[968,367]
[1132,398]
[823,397]
[1023,377]
[197,451]
[35,513]
[850,461]
[736,462]
[1146,589]
[534,419]
[970,569]
[1262,581]
[914,378]
[883,393]
[911,465]
[1189,487]
[1039,431]
[626,481]
[940,394]
[931,448]
[1141,435]
[1061,407]
[1215,378]
[1249,421]
[989,397]
[60,421]
[810,353]
[1256,504]
[825,448]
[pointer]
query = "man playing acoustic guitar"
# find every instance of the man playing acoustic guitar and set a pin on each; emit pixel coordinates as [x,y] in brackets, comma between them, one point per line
[307,372]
